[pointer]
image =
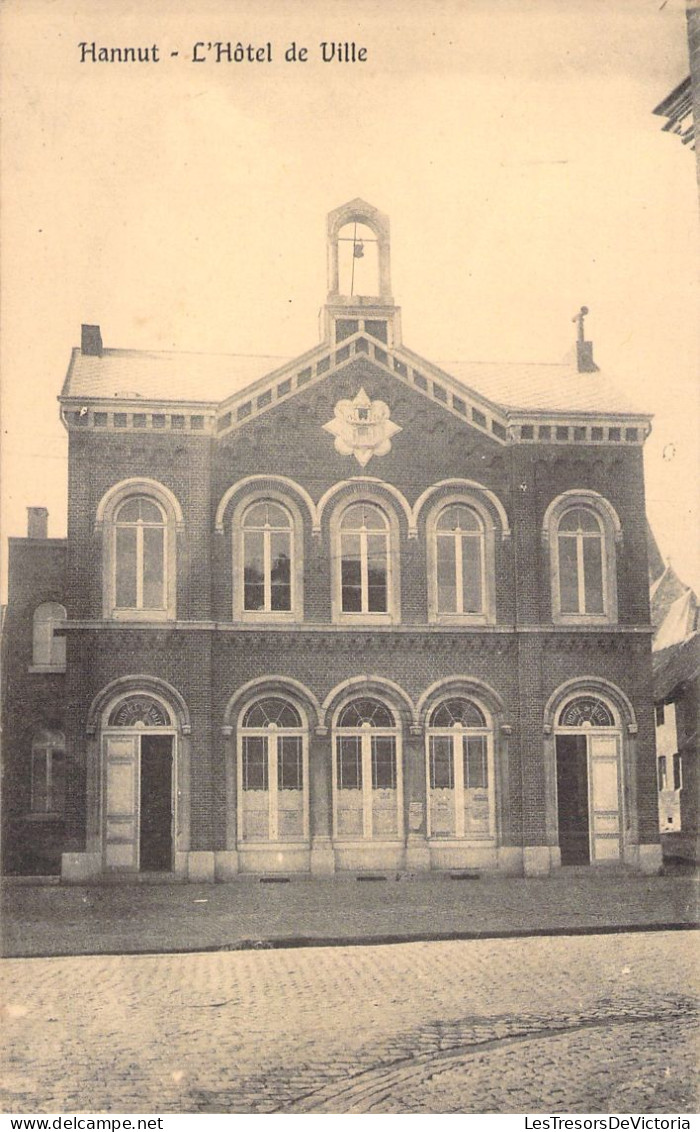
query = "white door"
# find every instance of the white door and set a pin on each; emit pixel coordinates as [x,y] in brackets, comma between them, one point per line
[605,801]
[121,802]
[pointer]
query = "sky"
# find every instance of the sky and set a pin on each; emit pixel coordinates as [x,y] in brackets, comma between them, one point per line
[182,205]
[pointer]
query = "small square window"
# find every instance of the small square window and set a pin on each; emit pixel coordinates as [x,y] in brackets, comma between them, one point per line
[158,420]
[120,420]
[321,367]
[400,368]
[377,328]
[562,432]
[596,433]
[305,375]
[224,422]
[264,398]
[197,422]
[544,432]
[420,381]
[244,410]
[139,420]
[344,327]
[660,715]
[579,432]
[614,434]
[498,430]
[439,393]
[284,387]
[479,418]
[100,420]
[459,406]
[380,355]
[342,354]
[631,434]
[177,421]
[527,432]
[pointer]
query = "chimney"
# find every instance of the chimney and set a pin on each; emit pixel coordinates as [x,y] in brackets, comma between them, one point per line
[91,340]
[37,522]
[584,349]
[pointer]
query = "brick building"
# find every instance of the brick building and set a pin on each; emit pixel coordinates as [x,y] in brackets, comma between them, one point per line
[352,613]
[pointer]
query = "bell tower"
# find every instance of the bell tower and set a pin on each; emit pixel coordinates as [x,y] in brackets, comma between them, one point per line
[359,275]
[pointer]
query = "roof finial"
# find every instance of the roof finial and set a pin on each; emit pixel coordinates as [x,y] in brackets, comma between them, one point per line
[584,349]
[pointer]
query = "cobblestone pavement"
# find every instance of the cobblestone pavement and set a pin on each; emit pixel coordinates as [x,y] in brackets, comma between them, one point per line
[586,1024]
[196,917]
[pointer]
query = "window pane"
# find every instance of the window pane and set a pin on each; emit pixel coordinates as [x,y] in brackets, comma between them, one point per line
[353,519]
[475,764]
[579,519]
[441,768]
[362,711]
[289,763]
[129,512]
[281,575]
[446,574]
[150,512]
[254,762]
[58,778]
[568,575]
[471,575]
[376,574]
[40,797]
[351,574]
[457,711]
[126,568]
[677,772]
[253,577]
[153,538]
[593,574]
[349,762]
[662,772]
[383,763]
[255,516]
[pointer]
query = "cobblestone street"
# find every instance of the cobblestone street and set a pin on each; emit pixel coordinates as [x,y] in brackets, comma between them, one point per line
[587,1024]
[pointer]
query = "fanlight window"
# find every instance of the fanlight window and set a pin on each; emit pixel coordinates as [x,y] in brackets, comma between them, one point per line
[364,552]
[139,559]
[367,772]
[48,773]
[267,558]
[586,711]
[139,711]
[461,798]
[273,803]
[580,541]
[460,561]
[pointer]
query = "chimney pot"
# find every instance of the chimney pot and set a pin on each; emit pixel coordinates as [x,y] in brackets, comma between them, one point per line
[91,340]
[37,522]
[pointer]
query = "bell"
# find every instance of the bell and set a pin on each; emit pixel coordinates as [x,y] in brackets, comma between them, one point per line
[358,249]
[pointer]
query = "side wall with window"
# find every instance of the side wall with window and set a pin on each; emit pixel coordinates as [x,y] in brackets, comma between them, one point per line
[33,696]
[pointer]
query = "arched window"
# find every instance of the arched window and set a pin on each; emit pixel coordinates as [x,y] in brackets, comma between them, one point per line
[267,558]
[139,555]
[139,519]
[582,528]
[358,260]
[272,773]
[460,772]
[48,649]
[48,773]
[364,560]
[459,557]
[367,784]
[580,539]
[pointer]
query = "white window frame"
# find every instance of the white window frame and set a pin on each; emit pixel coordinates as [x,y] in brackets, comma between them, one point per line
[456,734]
[271,734]
[487,614]
[45,744]
[107,523]
[296,613]
[610,532]
[48,649]
[392,615]
[365,733]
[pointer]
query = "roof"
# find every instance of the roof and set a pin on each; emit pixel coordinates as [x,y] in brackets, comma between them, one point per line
[212,378]
[677,665]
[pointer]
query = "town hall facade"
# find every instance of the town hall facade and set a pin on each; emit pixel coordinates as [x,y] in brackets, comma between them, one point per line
[357,613]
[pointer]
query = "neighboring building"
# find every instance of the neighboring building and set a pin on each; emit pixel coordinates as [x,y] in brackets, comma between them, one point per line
[354,613]
[676,662]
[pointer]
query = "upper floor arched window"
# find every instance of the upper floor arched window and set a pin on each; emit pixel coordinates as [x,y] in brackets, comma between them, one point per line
[461,562]
[48,649]
[139,519]
[267,558]
[582,529]
[364,557]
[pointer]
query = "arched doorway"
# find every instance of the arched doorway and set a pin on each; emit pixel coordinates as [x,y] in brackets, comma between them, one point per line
[589,786]
[138,785]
